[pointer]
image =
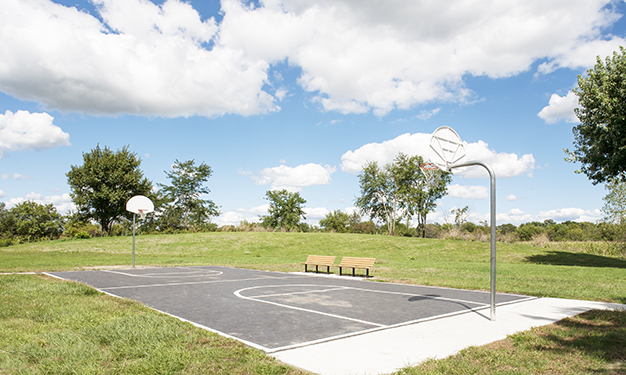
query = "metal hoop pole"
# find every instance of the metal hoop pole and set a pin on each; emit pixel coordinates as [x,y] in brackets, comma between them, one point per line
[492,177]
[134,239]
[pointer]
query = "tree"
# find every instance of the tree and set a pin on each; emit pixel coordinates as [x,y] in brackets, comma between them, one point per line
[336,221]
[284,211]
[188,182]
[600,138]
[419,192]
[31,221]
[614,208]
[400,189]
[104,183]
[380,194]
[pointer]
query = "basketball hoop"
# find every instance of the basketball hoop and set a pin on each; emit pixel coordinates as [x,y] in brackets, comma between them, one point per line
[138,205]
[432,173]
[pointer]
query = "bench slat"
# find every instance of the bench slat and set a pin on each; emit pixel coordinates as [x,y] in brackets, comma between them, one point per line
[354,263]
[319,260]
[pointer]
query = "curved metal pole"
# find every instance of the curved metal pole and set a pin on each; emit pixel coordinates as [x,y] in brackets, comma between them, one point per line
[492,177]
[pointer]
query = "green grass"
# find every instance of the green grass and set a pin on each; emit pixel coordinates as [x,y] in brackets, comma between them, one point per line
[54,327]
[590,343]
[48,326]
[521,268]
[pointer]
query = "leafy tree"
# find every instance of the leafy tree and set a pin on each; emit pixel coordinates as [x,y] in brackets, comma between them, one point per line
[104,183]
[419,193]
[600,138]
[285,210]
[32,221]
[460,216]
[187,185]
[380,194]
[614,208]
[398,190]
[336,221]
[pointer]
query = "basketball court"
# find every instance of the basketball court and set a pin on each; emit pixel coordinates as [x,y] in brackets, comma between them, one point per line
[329,324]
[275,311]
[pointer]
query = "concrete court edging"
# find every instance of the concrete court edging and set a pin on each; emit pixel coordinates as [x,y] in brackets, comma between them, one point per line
[389,350]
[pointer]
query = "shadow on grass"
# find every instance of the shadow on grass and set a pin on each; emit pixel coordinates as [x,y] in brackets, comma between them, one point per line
[564,258]
[599,333]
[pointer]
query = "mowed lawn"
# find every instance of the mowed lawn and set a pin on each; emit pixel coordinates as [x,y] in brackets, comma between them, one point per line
[43,321]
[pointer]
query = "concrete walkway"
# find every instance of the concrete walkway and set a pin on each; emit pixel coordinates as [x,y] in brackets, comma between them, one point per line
[389,350]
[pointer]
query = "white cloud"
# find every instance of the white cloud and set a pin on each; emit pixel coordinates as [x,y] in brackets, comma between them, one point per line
[511,197]
[425,115]
[234,217]
[504,164]
[294,179]
[571,214]
[23,130]
[560,108]
[355,56]
[315,213]
[63,203]
[142,58]
[468,192]
[517,216]
[15,176]
[2,194]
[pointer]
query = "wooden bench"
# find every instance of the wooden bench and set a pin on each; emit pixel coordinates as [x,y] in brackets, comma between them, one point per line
[319,260]
[354,263]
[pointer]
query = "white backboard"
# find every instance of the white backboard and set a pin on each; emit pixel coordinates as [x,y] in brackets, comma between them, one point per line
[139,204]
[446,148]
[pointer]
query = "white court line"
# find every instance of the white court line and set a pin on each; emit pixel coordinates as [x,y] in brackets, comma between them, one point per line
[423,295]
[170,274]
[238,294]
[397,325]
[190,283]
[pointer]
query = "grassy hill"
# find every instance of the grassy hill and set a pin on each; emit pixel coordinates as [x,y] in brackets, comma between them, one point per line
[521,268]
[49,326]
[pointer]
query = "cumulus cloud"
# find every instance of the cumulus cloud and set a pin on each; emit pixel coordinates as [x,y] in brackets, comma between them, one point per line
[517,216]
[468,192]
[572,214]
[315,213]
[23,130]
[504,164]
[235,217]
[2,194]
[511,197]
[63,203]
[294,179]
[138,57]
[560,108]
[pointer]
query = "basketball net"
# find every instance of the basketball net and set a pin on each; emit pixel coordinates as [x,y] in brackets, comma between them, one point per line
[432,172]
[142,213]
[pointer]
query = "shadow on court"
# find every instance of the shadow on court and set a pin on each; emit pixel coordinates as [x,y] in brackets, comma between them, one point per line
[275,311]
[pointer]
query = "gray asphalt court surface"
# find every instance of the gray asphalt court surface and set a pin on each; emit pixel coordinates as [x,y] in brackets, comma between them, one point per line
[276,311]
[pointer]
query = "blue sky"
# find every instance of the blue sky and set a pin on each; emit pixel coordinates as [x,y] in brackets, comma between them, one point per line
[300,94]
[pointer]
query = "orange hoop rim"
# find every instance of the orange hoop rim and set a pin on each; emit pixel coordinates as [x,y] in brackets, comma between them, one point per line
[429,166]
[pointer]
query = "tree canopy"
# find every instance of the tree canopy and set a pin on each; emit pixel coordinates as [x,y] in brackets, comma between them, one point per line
[106,180]
[600,138]
[30,221]
[285,209]
[398,190]
[187,185]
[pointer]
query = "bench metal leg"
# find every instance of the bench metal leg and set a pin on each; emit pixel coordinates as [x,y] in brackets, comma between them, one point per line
[354,272]
[316,270]
[305,270]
